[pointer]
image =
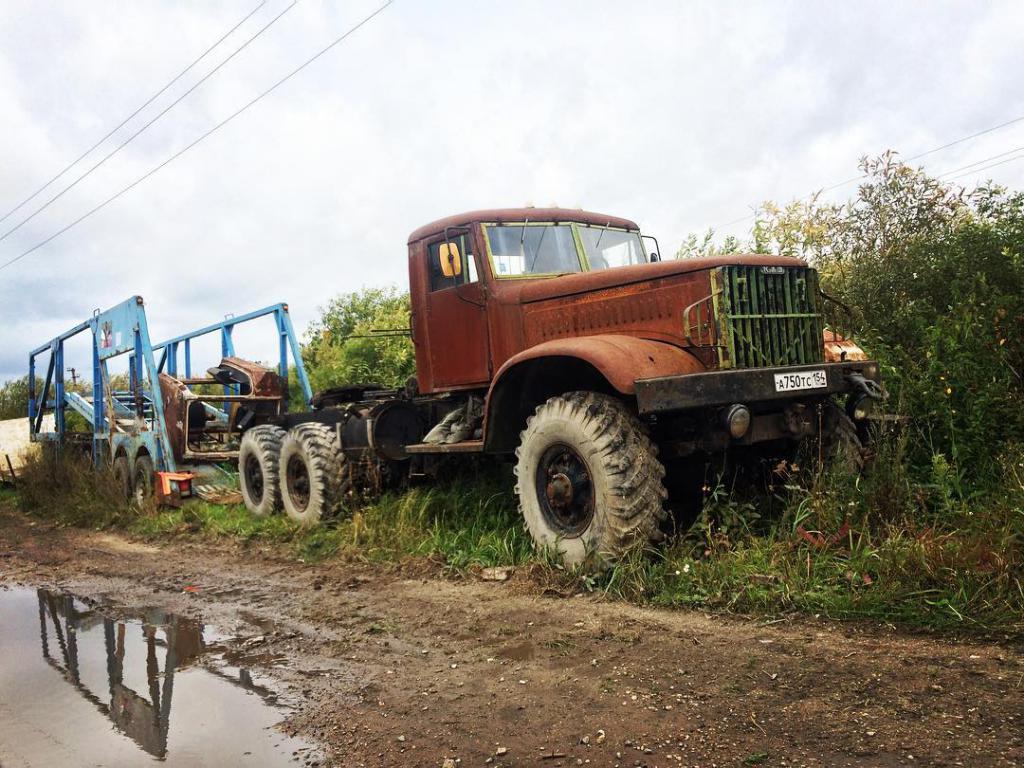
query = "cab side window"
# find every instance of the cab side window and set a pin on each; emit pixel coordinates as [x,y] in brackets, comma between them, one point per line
[461,244]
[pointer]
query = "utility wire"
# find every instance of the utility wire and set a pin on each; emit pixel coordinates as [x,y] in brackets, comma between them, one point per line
[918,156]
[978,162]
[212,130]
[979,170]
[145,104]
[135,135]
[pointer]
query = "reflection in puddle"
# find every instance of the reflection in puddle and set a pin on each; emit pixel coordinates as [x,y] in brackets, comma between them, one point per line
[127,669]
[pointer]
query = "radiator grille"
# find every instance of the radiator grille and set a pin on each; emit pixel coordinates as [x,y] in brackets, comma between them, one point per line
[768,316]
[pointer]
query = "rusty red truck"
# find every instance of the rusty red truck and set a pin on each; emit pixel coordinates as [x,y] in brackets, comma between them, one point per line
[560,338]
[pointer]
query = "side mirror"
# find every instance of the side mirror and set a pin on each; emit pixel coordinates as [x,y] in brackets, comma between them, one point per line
[449,260]
[652,251]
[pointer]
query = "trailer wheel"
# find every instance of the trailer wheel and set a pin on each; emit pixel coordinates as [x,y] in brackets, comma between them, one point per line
[588,479]
[122,476]
[259,457]
[313,474]
[142,480]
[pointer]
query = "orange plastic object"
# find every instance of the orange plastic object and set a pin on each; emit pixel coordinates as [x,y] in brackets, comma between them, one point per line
[839,349]
[172,487]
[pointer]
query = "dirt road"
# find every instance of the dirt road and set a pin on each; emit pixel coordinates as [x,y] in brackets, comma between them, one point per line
[392,670]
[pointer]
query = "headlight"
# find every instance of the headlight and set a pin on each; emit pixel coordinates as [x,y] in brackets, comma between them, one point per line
[737,420]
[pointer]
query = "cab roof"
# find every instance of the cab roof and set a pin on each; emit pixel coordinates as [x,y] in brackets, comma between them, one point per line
[504,215]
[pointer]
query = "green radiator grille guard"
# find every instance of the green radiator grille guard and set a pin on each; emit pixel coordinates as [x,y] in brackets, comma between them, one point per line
[767,316]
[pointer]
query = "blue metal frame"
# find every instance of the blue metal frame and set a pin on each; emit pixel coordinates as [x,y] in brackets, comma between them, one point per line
[287,340]
[138,417]
[138,424]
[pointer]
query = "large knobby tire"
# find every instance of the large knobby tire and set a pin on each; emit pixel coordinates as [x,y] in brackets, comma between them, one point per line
[588,479]
[312,471]
[259,458]
[845,446]
[122,477]
[142,480]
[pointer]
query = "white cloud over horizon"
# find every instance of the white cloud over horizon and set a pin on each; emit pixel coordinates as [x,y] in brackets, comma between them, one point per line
[681,116]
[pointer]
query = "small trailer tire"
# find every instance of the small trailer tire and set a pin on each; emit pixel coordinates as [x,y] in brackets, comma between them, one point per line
[589,481]
[314,478]
[142,480]
[259,457]
[122,477]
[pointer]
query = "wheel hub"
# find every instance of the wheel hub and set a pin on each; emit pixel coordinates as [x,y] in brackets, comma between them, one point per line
[254,478]
[560,490]
[297,477]
[565,490]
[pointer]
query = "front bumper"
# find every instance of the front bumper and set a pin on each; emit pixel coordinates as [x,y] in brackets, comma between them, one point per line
[747,385]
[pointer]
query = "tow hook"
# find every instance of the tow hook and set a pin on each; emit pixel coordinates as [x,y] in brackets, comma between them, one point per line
[861,402]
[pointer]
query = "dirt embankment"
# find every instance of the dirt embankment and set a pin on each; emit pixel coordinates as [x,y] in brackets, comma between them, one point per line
[393,671]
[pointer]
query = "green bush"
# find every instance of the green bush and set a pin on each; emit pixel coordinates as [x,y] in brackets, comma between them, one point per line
[344,348]
[934,279]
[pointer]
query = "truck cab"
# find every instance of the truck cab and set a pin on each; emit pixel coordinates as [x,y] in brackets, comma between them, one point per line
[468,272]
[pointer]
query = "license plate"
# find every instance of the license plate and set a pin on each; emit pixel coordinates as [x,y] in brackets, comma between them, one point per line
[792,382]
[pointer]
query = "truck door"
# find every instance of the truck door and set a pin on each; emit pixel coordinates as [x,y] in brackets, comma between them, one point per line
[456,312]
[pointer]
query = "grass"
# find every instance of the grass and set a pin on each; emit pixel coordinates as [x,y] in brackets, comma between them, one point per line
[461,525]
[817,545]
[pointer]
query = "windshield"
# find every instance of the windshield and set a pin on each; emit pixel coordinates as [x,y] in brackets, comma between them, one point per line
[545,249]
[532,249]
[611,247]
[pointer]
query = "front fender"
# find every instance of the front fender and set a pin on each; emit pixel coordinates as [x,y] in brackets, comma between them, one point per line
[620,359]
[609,363]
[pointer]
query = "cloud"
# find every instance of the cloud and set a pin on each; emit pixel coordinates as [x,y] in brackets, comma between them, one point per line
[681,116]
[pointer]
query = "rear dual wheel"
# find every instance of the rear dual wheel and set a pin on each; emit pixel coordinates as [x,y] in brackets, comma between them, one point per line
[259,456]
[314,477]
[301,471]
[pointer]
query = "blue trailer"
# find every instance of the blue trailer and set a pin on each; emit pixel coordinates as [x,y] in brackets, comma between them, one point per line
[160,421]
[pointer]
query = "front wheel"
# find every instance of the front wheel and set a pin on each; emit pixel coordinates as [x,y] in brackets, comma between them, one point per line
[588,479]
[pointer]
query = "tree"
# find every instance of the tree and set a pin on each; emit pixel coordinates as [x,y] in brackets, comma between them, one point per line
[935,278]
[342,349]
[14,399]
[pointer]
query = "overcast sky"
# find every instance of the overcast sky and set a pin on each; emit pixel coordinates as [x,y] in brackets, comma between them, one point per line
[680,115]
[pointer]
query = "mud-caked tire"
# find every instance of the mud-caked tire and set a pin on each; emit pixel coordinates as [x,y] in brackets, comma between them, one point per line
[259,457]
[589,482]
[313,476]
[846,447]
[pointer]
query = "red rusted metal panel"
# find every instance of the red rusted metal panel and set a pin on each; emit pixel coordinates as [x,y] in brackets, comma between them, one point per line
[621,359]
[504,215]
[172,392]
[265,382]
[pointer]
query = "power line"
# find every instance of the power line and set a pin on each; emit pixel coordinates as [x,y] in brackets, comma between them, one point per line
[212,130]
[979,170]
[968,138]
[979,162]
[918,156]
[145,104]
[160,114]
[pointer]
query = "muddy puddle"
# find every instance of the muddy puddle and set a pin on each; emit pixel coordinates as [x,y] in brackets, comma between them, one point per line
[85,684]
